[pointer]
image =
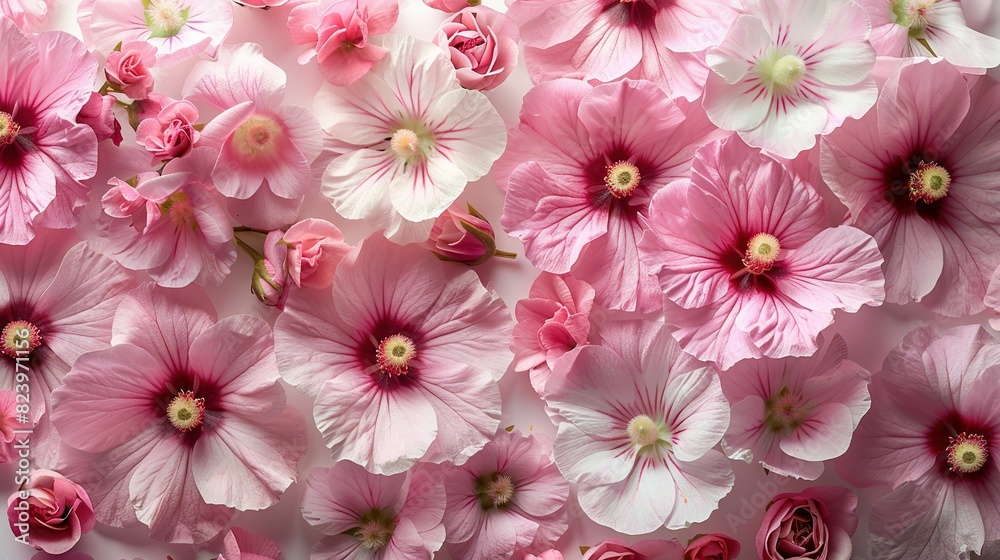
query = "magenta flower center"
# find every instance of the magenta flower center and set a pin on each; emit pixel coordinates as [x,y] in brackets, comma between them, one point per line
[8,129]
[374,530]
[179,210]
[495,490]
[967,453]
[622,179]
[257,137]
[785,411]
[762,252]
[185,411]
[405,143]
[20,338]
[395,353]
[929,182]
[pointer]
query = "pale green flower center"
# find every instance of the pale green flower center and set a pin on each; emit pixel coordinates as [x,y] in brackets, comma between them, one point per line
[967,453]
[19,339]
[185,411]
[258,137]
[622,179]
[165,18]
[8,129]
[785,412]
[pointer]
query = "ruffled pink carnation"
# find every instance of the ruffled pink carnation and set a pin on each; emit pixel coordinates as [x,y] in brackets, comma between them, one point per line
[169,132]
[482,44]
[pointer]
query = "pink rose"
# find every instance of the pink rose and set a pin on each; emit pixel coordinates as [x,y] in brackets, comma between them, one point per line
[99,114]
[128,69]
[171,133]
[616,549]
[270,273]
[816,524]
[50,512]
[482,44]
[452,6]
[547,555]
[464,237]
[712,547]
[315,248]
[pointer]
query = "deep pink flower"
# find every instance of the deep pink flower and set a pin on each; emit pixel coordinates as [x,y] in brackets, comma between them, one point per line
[452,6]
[29,15]
[44,153]
[465,237]
[482,44]
[616,549]
[241,544]
[816,523]
[402,356]
[129,69]
[507,501]
[50,511]
[746,264]
[792,414]
[712,547]
[180,422]
[551,321]
[372,516]
[639,419]
[580,171]
[917,174]
[98,113]
[171,132]
[932,435]
[315,248]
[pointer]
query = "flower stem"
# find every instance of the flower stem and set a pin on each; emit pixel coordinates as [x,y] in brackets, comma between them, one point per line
[250,250]
[505,254]
[249,229]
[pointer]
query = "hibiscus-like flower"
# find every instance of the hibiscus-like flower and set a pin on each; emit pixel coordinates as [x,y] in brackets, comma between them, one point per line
[410,139]
[639,421]
[745,260]
[816,523]
[919,174]
[182,421]
[402,357]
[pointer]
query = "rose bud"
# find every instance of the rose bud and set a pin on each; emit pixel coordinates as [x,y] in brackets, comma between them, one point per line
[128,69]
[816,523]
[50,512]
[172,133]
[98,113]
[315,248]
[269,272]
[616,549]
[482,44]
[712,547]
[452,6]
[464,237]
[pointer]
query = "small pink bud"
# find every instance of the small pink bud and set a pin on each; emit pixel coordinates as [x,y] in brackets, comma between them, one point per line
[464,237]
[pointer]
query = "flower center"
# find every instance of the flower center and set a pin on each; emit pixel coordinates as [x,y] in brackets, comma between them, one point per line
[967,453]
[465,45]
[375,530]
[762,252]
[912,14]
[788,71]
[643,431]
[164,18]
[20,338]
[394,354]
[178,208]
[495,490]
[622,179]
[257,137]
[8,129]
[785,412]
[929,182]
[405,143]
[185,411]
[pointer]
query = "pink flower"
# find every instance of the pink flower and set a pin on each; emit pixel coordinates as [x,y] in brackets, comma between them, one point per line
[712,547]
[50,511]
[99,115]
[579,173]
[171,133]
[507,501]
[934,28]
[261,143]
[180,422]
[816,523]
[241,544]
[410,139]
[29,15]
[367,515]
[170,225]
[914,173]
[262,4]
[10,420]
[554,319]
[315,248]
[270,274]
[746,264]
[57,304]
[129,69]
[789,71]
[482,44]
[465,237]
[793,414]
[547,555]
[338,32]
[616,549]
[452,6]
[179,29]
[932,435]
[992,299]
[402,345]
[639,419]
[73,555]
[44,152]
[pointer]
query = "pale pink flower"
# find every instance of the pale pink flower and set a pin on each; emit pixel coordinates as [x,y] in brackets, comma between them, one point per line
[411,140]
[171,225]
[182,421]
[29,15]
[315,248]
[789,71]
[482,44]
[793,414]
[551,321]
[580,171]
[816,523]
[506,501]
[262,144]
[372,516]
[917,174]
[639,419]
[932,435]
[606,40]
[169,132]
[10,420]
[44,153]
[616,549]
[546,555]
[452,6]
[338,33]
[129,69]
[50,511]
[179,29]
[241,544]
[746,263]
[402,357]
[98,113]
[712,547]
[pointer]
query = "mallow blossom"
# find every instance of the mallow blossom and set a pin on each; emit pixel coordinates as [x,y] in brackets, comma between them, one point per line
[402,357]
[746,263]
[180,422]
[409,140]
[816,523]
[639,419]
[482,44]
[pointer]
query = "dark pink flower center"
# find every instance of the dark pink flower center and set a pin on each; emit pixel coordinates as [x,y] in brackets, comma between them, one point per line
[186,411]
[20,339]
[394,354]
[8,129]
